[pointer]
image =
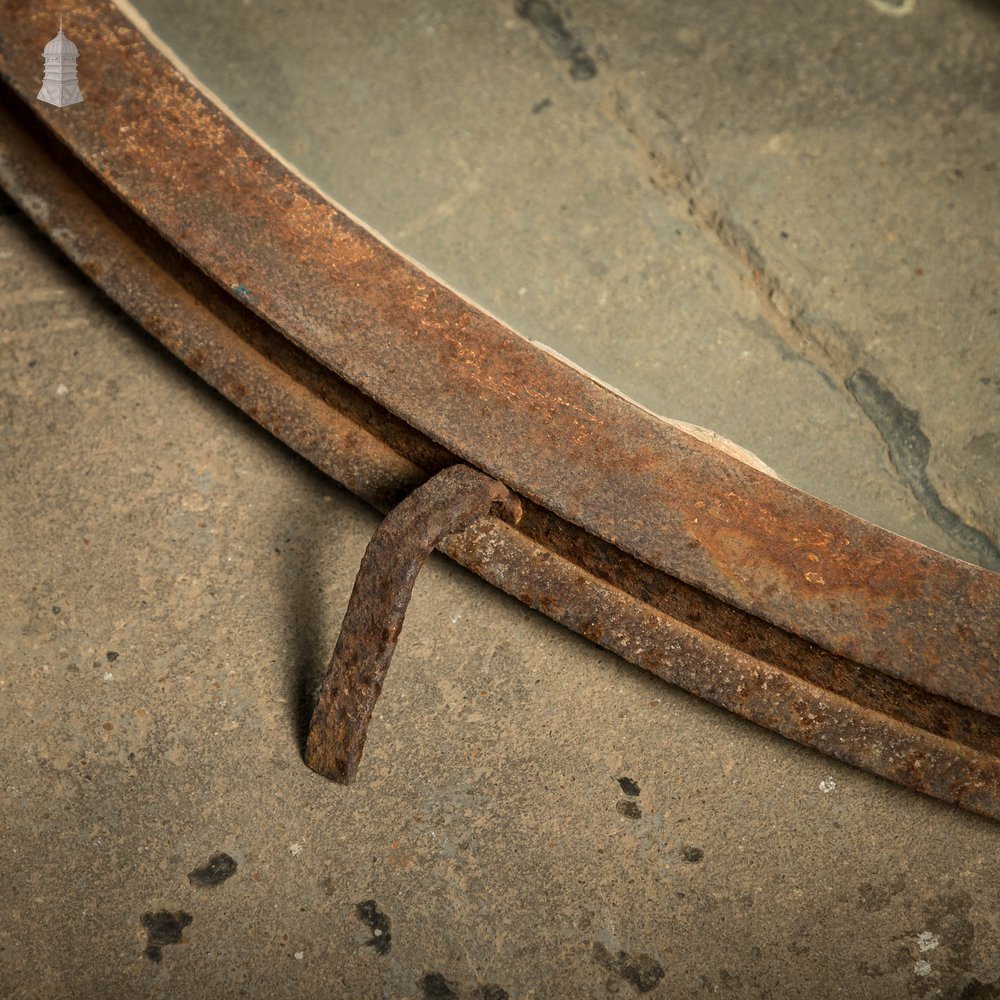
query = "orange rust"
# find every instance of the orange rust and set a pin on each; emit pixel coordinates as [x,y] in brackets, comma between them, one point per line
[668,551]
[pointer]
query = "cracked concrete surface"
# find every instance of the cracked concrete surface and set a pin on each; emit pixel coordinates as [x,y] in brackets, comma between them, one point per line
[845,159]
[725,253]
[725,221]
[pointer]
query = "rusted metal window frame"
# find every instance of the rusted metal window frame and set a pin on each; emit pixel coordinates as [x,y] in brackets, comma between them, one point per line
[646,539]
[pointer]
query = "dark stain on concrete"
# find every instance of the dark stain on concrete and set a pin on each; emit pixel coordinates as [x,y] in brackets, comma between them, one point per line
[215,871]
[163,928]
[436,987]
[629,787]
[976,990]
[909,450]
[549,24]
[693,854]
[877,897]
[490,992]
[637,968]
[951,918]
[378,923]
[630,810]
[985,448]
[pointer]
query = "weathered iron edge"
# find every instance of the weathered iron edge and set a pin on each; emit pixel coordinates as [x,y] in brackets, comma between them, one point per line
[492,398]
[751,668]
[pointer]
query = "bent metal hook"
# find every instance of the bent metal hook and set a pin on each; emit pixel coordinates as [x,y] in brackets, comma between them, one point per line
[447,503]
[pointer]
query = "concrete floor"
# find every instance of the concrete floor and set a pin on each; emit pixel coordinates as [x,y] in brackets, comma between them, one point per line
[777,222]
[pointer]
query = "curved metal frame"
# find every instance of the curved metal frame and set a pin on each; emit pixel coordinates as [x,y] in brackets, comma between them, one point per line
[683,559]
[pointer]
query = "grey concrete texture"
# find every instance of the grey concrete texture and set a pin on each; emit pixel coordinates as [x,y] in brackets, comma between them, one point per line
[172,579]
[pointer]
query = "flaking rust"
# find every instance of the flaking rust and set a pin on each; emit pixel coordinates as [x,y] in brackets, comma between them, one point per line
[447,503]
[666,550]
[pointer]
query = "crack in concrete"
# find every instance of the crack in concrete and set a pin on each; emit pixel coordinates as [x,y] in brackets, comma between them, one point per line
[910,449]
[820,343]
[548,22]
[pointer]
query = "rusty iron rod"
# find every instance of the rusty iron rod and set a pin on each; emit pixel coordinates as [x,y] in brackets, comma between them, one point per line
[447,503]
[736,587]
[463,379]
